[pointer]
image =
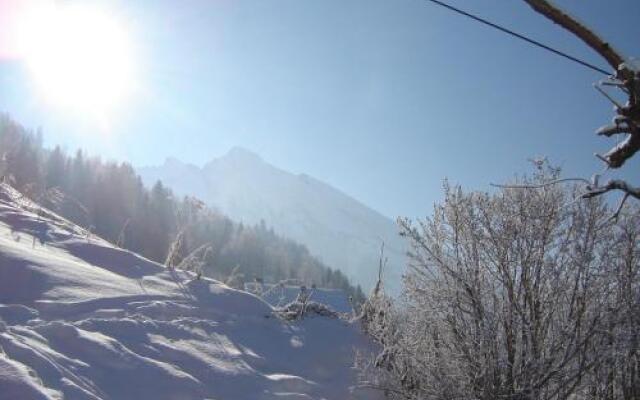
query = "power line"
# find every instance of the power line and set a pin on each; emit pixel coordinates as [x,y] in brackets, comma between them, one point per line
[522,37]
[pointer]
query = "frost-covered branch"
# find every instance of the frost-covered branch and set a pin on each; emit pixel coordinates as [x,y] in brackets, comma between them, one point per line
[618,155]
[614,184]
[626,78]
[539,185]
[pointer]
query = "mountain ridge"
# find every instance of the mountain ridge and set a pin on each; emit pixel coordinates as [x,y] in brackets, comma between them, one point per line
[336,227]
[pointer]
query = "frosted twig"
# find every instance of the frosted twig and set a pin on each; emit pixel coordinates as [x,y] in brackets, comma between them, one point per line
[541,185]
[121,235]
[616,214]
[603,159]
[605,94]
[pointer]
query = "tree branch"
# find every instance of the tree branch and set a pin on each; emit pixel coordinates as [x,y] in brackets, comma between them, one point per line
[616,214]
[614,184]
[628,79]
[541,185]
[585,34]
[611,130]
[618,155]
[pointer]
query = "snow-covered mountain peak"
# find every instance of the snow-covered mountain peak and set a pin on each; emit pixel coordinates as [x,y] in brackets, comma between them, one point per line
[241,153]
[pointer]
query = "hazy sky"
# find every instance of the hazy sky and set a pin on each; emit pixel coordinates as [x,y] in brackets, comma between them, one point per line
[381,99]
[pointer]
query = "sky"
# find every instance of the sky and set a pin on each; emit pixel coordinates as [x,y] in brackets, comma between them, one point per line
[381,99]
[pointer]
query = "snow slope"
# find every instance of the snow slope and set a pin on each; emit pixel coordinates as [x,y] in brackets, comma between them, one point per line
[80,319]
[340,230]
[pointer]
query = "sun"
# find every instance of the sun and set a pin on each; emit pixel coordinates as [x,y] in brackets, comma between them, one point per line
[79,57]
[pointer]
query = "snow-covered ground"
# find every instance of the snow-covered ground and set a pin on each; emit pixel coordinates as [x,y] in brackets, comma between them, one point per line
[81,319]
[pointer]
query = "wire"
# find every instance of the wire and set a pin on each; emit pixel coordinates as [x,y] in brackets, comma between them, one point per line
[522,37]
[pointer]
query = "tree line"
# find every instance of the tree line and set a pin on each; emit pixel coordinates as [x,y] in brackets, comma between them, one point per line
[110,200]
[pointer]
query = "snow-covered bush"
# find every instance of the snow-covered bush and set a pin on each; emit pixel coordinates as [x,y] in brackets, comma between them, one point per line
[299,310]
[521,294]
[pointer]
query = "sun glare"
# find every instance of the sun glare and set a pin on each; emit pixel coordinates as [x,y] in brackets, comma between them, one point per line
[79,56]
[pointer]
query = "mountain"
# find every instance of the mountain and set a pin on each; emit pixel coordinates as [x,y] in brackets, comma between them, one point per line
[83,319]
[338,229]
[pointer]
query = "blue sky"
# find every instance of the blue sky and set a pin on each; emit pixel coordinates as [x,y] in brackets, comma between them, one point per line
[381,99]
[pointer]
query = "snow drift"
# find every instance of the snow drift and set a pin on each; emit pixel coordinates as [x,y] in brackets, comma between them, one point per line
[82,319]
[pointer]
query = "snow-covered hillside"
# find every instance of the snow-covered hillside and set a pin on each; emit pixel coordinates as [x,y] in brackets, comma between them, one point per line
[338,229]
[80,319]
